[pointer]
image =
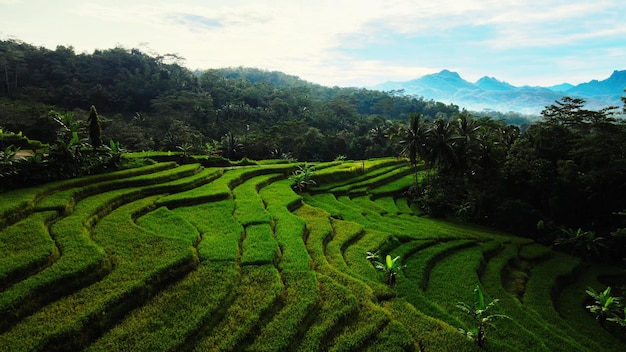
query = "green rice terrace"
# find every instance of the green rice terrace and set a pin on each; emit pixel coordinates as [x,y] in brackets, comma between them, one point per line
[172,257]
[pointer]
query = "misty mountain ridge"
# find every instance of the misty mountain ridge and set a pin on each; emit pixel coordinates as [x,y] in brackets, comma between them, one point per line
[489,93]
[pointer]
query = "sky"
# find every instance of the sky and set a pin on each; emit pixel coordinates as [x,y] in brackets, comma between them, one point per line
[345,42]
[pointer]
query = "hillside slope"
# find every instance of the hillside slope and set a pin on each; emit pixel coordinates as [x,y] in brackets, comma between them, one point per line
[181,257]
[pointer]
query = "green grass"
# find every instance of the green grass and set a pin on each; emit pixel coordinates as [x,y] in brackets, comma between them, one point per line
[288,228]
[301,297]
[26,247]
[199,258]
[259,245]
[167,321]
[260,287]
[220,231]
[142,261]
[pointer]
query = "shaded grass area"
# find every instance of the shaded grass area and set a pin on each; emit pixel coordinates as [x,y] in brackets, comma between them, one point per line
[260,287]
[300,302]
[169,319]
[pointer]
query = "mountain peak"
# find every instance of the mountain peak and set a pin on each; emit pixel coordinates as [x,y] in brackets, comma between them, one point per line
[619,77]
[614,85]
[491,83]
[447,74]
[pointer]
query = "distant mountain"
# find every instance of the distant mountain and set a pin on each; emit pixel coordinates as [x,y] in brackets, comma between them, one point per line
[490,83]
[563,87]
[489,93]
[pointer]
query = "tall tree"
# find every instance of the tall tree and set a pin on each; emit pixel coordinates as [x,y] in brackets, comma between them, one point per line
[414,139]
[442,146]
[95,132]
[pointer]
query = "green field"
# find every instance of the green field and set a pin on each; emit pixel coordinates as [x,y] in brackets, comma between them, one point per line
[193,258]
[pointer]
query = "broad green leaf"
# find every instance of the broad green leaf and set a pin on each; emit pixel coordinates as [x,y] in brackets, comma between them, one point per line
[389,262]
[479,298]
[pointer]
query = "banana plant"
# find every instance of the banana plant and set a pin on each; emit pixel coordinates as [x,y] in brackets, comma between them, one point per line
[8,161]
[480,312]
[390,267]
[619,320]
[604,305]
[303,177]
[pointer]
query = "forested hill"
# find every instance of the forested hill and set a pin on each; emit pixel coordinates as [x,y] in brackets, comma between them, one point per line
[154,102]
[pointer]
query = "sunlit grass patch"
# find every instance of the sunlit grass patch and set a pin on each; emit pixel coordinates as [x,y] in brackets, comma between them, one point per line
[353,171]
[387,204]
[259,245]
[395,187]
[204,193]
[454,275]
[164,222]
[249,206]
[82,261]
[64,200]
[289,232]
[233,259]
[25,247]
[404,206]
[414,281]
[219,229]
[345,233]
[373,179]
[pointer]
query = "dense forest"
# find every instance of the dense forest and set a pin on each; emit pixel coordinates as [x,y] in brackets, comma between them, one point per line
[153,103]
[560,179]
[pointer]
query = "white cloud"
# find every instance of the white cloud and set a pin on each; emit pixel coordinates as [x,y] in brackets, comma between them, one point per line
[314,39]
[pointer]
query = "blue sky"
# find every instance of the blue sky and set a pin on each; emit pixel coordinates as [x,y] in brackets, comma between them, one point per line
[345,42]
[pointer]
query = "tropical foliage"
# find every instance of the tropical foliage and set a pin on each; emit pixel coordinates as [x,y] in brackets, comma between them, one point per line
[303,177]
[480,313]
[604,306]
[390,267]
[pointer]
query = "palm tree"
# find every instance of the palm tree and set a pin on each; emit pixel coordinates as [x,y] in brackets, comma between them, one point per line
[442,145]
[466,129]
[231,147]
[414,139]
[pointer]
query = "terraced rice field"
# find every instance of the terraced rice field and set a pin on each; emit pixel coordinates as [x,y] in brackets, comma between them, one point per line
[186,258]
